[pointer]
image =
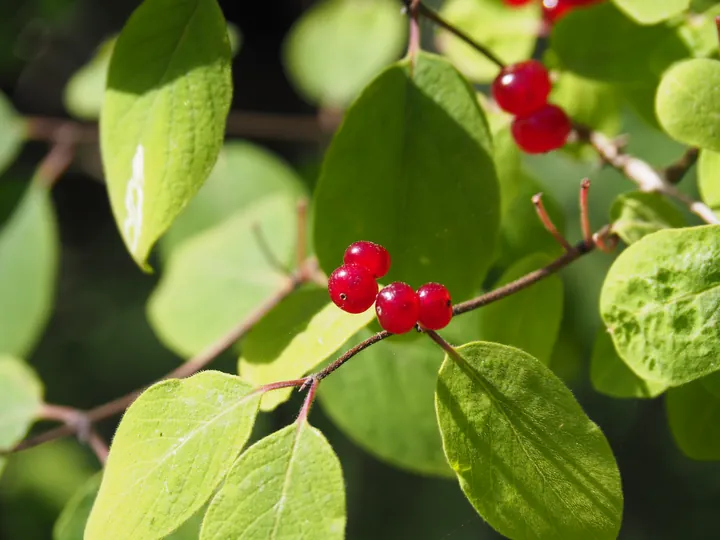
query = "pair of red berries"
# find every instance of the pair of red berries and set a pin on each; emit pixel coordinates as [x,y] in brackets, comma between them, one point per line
[554,9]
[522,89]
[353,288]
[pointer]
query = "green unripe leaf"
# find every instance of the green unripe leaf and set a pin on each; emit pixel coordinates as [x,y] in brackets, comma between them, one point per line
[70,525]
[85,90]
[172,449]
[708,171]
[637,214]
[693,414]
[338,46]
[652,11]
[20,400]
[529,460]
[163,115]
[687,101]
[426,189]
[661,304]
[287,485]
[12,132]
[611,376]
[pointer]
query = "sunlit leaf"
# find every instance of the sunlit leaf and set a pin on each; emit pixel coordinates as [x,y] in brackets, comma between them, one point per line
[652,11]
[636,214]
[708,171]
[12,132]
[85,90]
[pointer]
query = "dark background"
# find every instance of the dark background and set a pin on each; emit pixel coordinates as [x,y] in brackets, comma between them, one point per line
[98,344]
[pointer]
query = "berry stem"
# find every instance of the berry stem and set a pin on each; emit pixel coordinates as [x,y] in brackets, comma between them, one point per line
[584,212]
[449,349]
[548,222]
[411,7]
[309,398]
[320,375]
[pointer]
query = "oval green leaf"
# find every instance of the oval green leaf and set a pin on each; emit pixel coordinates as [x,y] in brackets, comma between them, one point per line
[708,171]
[85,90]
[530,319]
[20,400]
[12,132]
[395,383]
[299,334]
[508,33]
[173,447]
[652,11]
[28,270]
[635,52]
[527,457]
[426,189]
[688,100]
[635,215]
[611,376]
[338,46]
[287,485]
[693,415]
[70,525]
[163,115]
[217,278]
[661,304]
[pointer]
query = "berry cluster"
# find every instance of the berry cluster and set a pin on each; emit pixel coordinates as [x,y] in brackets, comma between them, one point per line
[522,89]
[554,9]
[353,288]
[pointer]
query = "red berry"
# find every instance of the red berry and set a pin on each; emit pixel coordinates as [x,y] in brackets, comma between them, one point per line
[516,3]
[541,131]
[553,10]
[352,288]
[372,256]
[522,88]
[435,306]
[397,308]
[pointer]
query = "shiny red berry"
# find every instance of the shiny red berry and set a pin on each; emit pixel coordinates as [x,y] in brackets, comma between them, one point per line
[542,131]
[553,10]
[352,288]
[435,306]
[397,307]
[372,256]
[516,3]
[522,88]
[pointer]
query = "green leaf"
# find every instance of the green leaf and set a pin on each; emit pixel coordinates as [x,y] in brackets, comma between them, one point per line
[85,90]
[70,525]
[338,46]
[287,485]
[636,214]
[699,31]
[611,376]
[163,116]
[217,278]
[687,101]
[508,33]
[299,334]
[28,270]
[395,383]
[528,458]
[693,415]
[652,11]
[173,447]
[708,171]
[20,400]
[661,304]
[244,174]
[530,319]
[426,189]
[12,133]
[635,52]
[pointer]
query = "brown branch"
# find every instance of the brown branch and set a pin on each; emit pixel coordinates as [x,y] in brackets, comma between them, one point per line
[78,422]
[675,172]
[547,222]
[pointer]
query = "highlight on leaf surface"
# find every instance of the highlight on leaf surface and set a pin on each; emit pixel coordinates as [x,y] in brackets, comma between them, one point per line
[661,304]
[528,459]
[287,485]
[163,115]
[172,449]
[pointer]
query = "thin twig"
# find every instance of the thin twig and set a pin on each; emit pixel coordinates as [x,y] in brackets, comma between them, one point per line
[548,222]
[585,212]
[675,172]
[59,158]
[352,352]
[81,425]
[309,398]
[414,30]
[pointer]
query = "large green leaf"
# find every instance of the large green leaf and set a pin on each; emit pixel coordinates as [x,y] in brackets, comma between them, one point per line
[85,90]
[652,11]
[530,319]
[694,414]
[426,189]
[173,447]
[12,132]
[395,382]
[708,171]
[244,174]
[687,101]
[20,400]
[508,33]
[636,214]
[338,46]
[28,269]
[528,458]
[70,525]
[163,115]
[218,277]
[300,333]
[287,485]
[661,304]
[611,376]
[635,52]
